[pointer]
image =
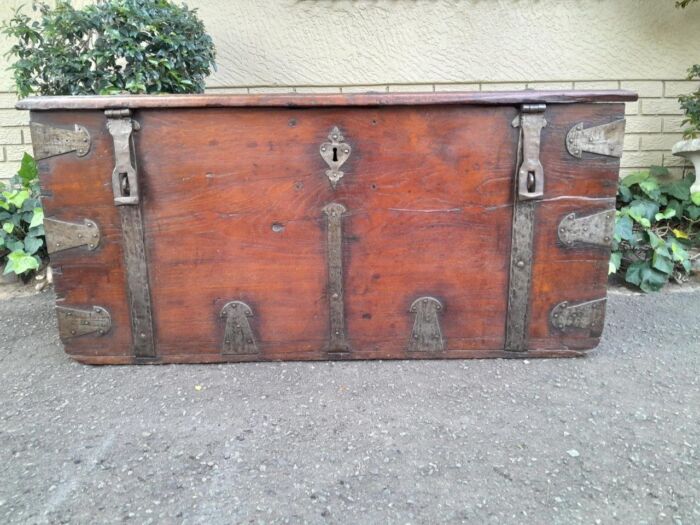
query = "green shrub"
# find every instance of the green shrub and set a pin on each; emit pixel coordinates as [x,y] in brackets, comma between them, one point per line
[22,244]
[110,47]
[656,224]
[691,103]
[691,106]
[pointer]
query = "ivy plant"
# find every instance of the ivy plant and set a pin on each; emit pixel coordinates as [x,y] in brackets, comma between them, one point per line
[22,244]
[656,225]
[109,47]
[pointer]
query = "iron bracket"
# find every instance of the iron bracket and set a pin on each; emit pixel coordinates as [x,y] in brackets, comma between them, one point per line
[49,141]
[75,322]
[62,235]
[606,139]
[596,229]
[587,315]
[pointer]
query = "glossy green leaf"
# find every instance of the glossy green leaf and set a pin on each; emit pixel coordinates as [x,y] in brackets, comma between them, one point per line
[623,228]
[635,178]
[662,263]
[28,171]
[38,218]
[33,244]
[666,214]
[21,262]
[615,261]
[651,188]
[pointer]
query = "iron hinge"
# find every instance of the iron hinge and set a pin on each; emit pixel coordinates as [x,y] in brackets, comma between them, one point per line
[606,139]
[62,235]
[596,229]
[49,141]
[75,322]
[587,315]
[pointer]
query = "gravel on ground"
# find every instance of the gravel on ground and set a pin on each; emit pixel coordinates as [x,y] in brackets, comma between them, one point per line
[610,438]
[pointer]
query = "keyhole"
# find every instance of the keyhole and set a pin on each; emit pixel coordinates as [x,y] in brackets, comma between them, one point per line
[335,154]
[531,181]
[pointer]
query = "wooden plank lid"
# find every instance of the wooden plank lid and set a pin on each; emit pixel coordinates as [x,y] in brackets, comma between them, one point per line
[479,98]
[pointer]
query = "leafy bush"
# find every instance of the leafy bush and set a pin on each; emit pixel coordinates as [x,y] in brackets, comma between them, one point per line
[22,243]
[691,103]
[691,106]
[112,46]
[656,224]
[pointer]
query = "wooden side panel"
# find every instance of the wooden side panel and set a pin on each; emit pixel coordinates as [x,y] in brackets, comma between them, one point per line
[75,188]
[585,186]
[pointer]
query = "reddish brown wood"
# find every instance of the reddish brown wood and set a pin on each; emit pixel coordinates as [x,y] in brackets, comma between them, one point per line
[429,193]
[327,99]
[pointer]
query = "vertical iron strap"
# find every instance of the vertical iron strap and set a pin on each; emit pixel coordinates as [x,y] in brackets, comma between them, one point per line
[126,193]
[338,343]
[522,238]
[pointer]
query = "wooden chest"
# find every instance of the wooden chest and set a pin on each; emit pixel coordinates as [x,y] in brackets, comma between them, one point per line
[375,226]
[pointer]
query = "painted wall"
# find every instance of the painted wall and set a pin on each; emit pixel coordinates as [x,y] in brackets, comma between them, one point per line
[399,45]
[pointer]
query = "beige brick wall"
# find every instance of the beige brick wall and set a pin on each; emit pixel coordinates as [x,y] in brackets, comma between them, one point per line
[14,135]
[404,45]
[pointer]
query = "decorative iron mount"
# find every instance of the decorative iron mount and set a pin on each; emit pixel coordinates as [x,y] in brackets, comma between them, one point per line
[426,335]
[335,153]
[238,336]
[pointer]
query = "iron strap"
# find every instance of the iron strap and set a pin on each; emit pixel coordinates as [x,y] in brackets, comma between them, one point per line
[125,186]
[338,343]
[525,192]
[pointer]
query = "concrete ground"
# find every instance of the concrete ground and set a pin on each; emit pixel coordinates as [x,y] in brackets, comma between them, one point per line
[611,438]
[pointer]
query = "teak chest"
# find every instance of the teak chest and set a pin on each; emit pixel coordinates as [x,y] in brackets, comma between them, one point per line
[372,226]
